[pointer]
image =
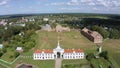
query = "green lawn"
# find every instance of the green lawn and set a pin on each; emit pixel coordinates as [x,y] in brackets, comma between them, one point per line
[75,64]
[113,47]
[7,55]
[101,61]
[73,39]
[2,66]
[36,63]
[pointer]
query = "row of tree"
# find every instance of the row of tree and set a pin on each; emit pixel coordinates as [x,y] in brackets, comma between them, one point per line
[111,33]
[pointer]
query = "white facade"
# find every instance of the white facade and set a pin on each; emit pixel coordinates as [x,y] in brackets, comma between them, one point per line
[1,46]
[58,53]
[43,56]
[19,49]
[73,55]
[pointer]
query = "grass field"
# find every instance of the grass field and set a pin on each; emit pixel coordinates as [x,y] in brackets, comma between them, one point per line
[7,55]
[68,40]
[37,64]
[113,47]
[75,64]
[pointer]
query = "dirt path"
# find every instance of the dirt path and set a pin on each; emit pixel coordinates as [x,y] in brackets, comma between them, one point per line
[58,63]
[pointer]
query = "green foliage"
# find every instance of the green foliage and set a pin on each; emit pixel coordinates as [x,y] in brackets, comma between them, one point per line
[4,50]
[101,30]
[16,54]
[53,25]
[90,56]
[114,34]
[1,54]
[104,54]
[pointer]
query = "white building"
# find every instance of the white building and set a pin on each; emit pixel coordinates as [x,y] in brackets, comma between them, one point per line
[1,46]
[58,53]
[3,22]
[45,19]
[19,49]
[47,27]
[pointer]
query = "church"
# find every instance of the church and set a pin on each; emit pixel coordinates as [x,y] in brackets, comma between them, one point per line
[58,53]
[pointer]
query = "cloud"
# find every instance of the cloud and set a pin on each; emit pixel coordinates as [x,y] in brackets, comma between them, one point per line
[72,2]
[105,3]
[76,8]
[3,2]
[56,4]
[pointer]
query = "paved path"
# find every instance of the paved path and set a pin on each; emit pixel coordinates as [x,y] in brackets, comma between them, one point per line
[4,65]
[58,63]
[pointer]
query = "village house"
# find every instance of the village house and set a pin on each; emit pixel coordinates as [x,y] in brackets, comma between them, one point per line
[1,46]
[3,22]
[45,19]
[19,49]
[58,53]
[47,27]
[92,35]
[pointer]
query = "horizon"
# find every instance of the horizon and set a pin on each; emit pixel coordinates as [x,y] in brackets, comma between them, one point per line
[10,7]
[55,13]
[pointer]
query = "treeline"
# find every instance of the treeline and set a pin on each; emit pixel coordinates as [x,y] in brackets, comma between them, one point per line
[17,36]
[108,28]
[112,33]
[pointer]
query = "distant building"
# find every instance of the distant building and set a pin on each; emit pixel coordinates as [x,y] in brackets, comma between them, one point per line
[92,35]
[31,19]
[59,28]
[45,19]
[23,20]
[47,27]
[19,49]
[58,53]
[20,24]
[1,46]
[3,22]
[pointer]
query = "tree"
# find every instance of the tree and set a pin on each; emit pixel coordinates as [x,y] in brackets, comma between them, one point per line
[114,34]
[4,50]
[1,54]
[16,54]
[104,54]
[90,56]
[101,30]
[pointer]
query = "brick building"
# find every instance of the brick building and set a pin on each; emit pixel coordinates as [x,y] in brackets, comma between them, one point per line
[92,35]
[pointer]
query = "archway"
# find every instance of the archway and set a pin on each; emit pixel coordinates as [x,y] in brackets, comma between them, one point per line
[58,54]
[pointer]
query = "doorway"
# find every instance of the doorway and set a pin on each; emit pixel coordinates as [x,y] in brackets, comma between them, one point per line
[58,54]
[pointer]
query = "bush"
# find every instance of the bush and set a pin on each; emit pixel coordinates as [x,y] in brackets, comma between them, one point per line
[90,56]
[16,54]
[1,54]
[4,50]
[104,54]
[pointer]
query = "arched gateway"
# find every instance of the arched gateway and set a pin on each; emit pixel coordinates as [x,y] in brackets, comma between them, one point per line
[58,52]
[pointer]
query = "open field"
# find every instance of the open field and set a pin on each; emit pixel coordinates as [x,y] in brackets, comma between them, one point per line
[68,40]
[113,47]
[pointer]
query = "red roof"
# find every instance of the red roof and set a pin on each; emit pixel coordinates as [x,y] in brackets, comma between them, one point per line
[66,51]
[45,51]
[72,50]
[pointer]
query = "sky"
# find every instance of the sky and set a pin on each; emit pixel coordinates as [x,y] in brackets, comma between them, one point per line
[59,6]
